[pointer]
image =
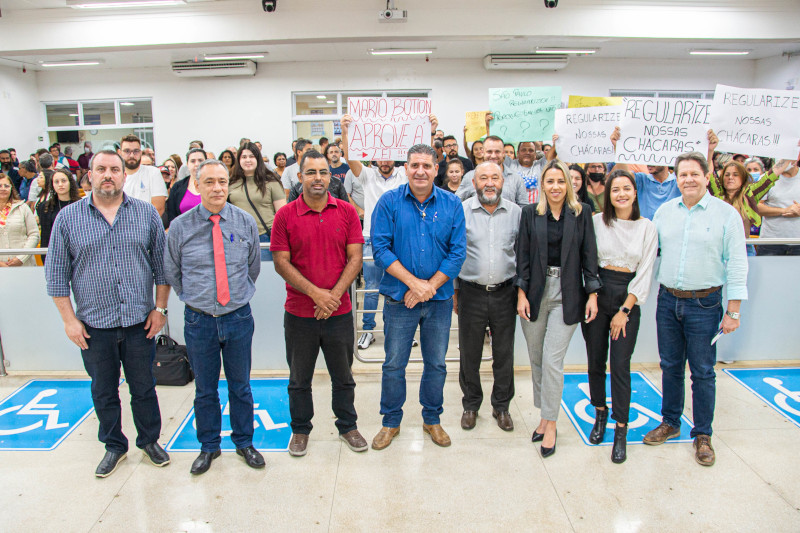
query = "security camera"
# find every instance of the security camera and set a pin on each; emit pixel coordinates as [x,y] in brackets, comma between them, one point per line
[550,4]
[269,5]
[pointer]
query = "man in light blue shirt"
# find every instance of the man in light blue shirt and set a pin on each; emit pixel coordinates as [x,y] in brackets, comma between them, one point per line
[702,249]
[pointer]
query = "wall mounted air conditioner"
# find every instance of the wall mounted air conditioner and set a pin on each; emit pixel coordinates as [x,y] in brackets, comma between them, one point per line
[525,61]
[207,69]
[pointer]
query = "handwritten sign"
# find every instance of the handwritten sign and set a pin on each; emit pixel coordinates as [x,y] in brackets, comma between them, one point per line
[524,113]
[476,125]
[583,133]
[383,129]
[657,130]
[593,101]
[761,122]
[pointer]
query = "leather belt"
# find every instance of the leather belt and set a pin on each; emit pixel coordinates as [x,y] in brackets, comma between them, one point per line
[487,288]
[201,312]
[554,272]
[702,293]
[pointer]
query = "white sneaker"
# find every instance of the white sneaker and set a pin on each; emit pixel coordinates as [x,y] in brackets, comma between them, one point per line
[365,340]
[414,343]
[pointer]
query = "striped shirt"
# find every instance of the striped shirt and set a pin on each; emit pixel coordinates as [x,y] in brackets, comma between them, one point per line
[111,267]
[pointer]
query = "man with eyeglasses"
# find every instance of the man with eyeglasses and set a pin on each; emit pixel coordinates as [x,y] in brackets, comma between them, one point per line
[451,153]
[142,181]
[316,247]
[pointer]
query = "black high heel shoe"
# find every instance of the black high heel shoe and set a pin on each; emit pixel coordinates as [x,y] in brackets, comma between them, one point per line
[536,437]
[618,451]
[547,452]
[599,429]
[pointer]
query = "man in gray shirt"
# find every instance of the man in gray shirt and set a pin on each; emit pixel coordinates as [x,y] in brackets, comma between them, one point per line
[513,188]
[212,261]
[486,296]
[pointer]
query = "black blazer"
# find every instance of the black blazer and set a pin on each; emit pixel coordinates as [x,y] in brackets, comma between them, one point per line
[176,193]
[578,260]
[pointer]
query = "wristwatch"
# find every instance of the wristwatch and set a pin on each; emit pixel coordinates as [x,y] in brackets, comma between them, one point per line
[733,315]
[626,310]
[162,310]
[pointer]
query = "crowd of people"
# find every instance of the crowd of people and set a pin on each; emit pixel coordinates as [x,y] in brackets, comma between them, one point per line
[506,232]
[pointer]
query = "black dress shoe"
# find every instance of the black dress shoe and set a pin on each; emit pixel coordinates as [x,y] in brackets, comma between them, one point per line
[504,421]
[599,429]
[110,462]
[251,456]
[547,452]
[203,462]
[156,454]
[536,437]
[618,451]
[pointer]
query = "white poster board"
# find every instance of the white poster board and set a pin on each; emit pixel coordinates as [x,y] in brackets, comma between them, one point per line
[762,122]
[657,130]
[583,133]
[384,128]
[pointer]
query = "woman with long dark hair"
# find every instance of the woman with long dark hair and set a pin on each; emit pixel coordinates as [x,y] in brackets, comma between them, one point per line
[183,195]
[557,284]
[227,158]
[257,190]
[626,250]
[578,175]
[63,190]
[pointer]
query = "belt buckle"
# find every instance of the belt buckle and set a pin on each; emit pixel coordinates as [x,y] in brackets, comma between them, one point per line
[490,288]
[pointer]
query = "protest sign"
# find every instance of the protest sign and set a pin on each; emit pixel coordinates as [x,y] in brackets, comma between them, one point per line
[476,125]
[656,130]
[583,133]
[593,101]
[524,113]
[384,128]
[761,122]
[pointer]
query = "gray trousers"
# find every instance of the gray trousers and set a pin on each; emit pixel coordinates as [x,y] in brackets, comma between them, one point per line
[548,338]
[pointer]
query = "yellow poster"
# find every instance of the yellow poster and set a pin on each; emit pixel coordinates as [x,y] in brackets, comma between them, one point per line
[476,125]
[593,101]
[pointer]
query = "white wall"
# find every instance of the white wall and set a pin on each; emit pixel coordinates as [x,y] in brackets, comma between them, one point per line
[778,73]
[21,119]
[222,110]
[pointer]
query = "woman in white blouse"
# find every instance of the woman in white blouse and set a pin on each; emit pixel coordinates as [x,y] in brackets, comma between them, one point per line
[626,251]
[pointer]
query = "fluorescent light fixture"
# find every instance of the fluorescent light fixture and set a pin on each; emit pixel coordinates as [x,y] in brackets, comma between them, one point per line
[229,57]
[74,115]
[110,4]
[400,51]
[127,103]
[567,50]
[322,97]
[86,63]
[719,52]
[330,102]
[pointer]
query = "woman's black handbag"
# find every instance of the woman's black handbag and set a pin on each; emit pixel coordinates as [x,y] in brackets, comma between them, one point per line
[171,366]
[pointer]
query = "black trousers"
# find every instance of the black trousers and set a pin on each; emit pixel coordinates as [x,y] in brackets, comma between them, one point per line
[597,335]
[304,338]
[477,309]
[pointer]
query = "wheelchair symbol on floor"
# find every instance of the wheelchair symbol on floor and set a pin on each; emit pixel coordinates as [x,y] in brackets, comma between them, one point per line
[783,395]
[585,411]
[258,414]
[34,408]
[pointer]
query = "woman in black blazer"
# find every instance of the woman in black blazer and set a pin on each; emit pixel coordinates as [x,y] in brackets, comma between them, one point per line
[557,284]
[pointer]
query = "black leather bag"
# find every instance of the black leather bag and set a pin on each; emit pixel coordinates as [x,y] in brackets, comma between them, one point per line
[171,366]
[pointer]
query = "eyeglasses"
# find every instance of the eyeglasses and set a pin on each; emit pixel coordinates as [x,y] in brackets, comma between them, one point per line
[131,152]
[453,145]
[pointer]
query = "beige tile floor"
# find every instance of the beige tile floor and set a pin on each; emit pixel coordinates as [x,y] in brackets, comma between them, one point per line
[488,480]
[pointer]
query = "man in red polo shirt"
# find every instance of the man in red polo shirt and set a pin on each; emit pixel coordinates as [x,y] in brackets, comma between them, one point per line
[316,247]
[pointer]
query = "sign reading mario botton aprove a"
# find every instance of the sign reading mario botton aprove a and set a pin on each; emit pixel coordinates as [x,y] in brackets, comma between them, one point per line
[654,131]
[761,122]
[41,414]
[384,128]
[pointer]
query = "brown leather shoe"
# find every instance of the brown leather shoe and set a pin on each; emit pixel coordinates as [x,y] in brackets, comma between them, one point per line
[504,421]
[703,451]
[468,419]
[438,435]
[661,434]
[354,441]
[384,437]
[298,445]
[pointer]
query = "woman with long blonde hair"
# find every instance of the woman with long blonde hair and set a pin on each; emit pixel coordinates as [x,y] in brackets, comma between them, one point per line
[557,282]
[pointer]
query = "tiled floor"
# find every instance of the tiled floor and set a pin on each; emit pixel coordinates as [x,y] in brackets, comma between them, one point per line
[488,480]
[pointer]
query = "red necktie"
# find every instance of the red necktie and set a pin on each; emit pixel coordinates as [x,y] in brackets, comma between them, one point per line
[221,272]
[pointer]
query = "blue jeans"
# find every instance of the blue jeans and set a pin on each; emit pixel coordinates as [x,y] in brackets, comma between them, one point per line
[205,336]
[372,280]
[266,255]
[399,325]
[130,347]
[685,328]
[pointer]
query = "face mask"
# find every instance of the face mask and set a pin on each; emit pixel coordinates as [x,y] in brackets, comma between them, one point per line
[756,176]
[596,177]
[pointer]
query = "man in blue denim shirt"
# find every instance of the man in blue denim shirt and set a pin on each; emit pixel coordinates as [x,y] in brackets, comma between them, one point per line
[419,238]
[212,261]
